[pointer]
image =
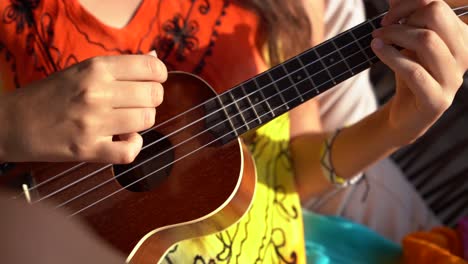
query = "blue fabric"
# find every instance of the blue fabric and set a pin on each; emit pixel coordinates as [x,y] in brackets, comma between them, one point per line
[335,240]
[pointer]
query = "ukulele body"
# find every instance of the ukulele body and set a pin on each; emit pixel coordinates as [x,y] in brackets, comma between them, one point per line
[196,185]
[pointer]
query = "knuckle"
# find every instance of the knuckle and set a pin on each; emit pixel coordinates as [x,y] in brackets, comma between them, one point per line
[458,81]
[464,63]
[437,6]
[126,157]
[149,117]
[89,93]
[444,103]
[439,105]
[424,2]
[157,94]
[153,65]
[434,13]
[428,38]
[94,65]
[83,127]
[79,150]
[416,74]
[163,72]
[156,68]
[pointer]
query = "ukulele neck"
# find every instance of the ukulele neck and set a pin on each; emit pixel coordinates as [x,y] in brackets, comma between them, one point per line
[289,84]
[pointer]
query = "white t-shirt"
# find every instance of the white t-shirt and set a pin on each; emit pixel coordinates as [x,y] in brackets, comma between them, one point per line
[392,206]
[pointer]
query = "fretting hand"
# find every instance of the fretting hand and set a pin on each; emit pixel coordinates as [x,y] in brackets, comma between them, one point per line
[429,71]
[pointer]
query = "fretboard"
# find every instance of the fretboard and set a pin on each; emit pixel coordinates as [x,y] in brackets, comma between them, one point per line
[289,84]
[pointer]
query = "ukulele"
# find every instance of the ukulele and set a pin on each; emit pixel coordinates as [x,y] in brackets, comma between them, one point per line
[193,176]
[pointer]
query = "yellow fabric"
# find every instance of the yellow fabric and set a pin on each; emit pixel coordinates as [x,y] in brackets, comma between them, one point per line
[272,231]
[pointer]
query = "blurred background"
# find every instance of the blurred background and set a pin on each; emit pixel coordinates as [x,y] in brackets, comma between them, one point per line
[436,164]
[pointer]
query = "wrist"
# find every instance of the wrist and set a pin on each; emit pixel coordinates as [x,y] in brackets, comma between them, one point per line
[369,140]
[393,133]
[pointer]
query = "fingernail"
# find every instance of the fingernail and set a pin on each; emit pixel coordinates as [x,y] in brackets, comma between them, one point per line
[377,43]
[152,53]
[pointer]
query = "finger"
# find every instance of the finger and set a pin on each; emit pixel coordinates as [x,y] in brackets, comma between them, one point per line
[394,2]
[152,53]
[136,68]
[418,80]
[128,120]
[136,94]
[403,9]
[439,17]
[429,48]
[120,152]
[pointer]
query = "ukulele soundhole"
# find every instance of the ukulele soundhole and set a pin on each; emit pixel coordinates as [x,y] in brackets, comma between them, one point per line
[151,166]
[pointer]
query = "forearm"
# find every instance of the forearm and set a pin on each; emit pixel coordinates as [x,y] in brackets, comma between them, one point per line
[364,143]
[353,150]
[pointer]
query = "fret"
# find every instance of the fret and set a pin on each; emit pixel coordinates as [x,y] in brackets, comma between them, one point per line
[256,97]
[372,57]
[326,69]
[217,120]
[305,86]
[333,61]
[318,74]
[239,110]
[362,30]
[246,109]
[291,96]
[376,22]
[342,57]
[374,27]
[296,74]
[264,99]
[347,44]
[263,80]
[350,50]
[233,115]
[227,115]
[308,89]
[295,70]
[308,57]
[272,94]
[365,42]
[251,103]
[360,47]
[279,92]
[309,60]
[328,54]
[255,94]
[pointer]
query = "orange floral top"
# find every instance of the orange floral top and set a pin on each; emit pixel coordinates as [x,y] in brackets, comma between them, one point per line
[214,39]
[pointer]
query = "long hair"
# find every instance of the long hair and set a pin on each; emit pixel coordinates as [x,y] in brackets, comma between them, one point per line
[285,28]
